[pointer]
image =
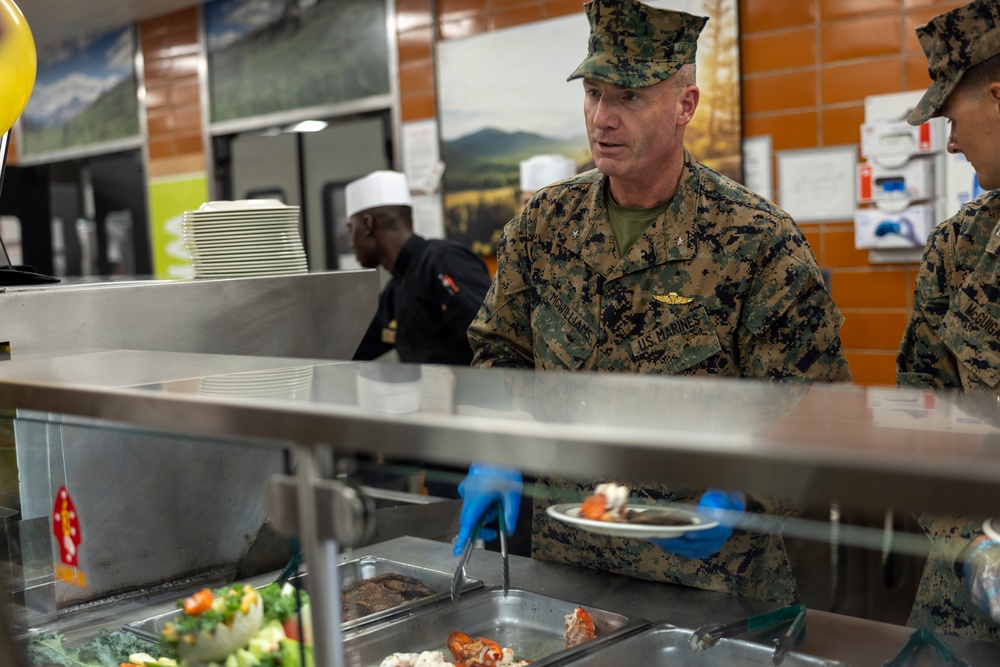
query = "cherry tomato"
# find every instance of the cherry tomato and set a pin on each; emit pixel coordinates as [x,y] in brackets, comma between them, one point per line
[198,603]
[291,627]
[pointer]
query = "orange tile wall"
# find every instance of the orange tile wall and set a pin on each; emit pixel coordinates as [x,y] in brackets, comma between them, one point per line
[807,67]
[171,53]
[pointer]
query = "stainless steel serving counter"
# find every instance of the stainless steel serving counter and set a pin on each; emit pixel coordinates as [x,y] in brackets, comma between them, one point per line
[858,642]
[871,448]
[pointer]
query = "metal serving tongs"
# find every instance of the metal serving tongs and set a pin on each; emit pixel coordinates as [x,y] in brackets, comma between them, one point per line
[459,578]
[709,634]
[916,642]
[504,554]
[456,581]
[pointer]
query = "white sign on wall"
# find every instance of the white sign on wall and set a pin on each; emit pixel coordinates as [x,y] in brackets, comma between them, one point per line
[757,174]
[817,185]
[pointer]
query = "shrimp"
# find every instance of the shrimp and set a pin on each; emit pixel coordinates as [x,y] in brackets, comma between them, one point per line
[471,652]
[579,627]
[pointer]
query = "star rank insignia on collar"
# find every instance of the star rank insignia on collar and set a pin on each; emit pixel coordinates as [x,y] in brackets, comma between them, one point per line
[673,299]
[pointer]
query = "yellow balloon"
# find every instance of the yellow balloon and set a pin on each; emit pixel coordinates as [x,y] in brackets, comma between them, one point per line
[17,64]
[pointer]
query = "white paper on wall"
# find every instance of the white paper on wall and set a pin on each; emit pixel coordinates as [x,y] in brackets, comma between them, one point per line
[817,185]
[422,156]
[757,174]
[428,216]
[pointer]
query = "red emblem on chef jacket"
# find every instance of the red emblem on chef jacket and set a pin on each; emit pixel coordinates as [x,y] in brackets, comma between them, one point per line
[66,526]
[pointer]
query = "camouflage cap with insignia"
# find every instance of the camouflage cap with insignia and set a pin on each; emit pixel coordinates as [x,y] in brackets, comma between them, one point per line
[955,42]
[633,45]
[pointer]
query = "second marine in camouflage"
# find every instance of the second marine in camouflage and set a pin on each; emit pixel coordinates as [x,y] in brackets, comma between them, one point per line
[952,341]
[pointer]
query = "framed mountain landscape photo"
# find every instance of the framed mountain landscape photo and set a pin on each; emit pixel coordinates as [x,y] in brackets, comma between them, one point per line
[503,98]
[85,100]
[268,58]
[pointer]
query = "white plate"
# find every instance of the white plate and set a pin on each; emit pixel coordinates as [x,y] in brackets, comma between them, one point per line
[263,250]
[259,236]
[992,529]
[570,513]
[216,227]
[248,272]
[249,266]
[242,205]
[272,258]
[271,240]
[268,214]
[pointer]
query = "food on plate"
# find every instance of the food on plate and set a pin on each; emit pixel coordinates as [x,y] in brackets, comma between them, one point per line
[609,502]
[379,593]
[579,627]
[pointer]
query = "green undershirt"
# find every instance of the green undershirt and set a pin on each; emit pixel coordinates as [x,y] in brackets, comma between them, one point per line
[630,223]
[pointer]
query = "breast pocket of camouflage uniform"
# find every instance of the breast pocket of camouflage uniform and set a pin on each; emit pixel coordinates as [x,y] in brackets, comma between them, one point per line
[972,333]
[562,339]
[676,343]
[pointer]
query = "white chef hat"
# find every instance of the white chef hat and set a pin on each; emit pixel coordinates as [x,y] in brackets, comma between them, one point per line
[379,188]
[541,170]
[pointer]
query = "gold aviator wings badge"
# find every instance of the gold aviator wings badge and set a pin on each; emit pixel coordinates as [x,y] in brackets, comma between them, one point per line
[673,299]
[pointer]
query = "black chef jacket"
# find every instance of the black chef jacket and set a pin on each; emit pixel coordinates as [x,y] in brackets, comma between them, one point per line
[426,309]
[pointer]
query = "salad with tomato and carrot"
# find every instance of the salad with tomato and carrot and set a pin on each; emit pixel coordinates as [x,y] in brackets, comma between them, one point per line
[236,626]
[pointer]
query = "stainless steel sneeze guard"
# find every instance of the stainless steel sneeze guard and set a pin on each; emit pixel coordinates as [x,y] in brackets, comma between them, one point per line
[869,447]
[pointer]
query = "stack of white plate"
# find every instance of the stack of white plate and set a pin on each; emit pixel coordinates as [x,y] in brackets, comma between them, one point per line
[293,383]
[248,237]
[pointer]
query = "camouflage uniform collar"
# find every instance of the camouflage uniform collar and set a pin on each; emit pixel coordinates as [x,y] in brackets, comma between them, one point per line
[671,237]
[993,245]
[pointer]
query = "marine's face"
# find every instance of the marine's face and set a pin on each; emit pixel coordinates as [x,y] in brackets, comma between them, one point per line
[974,115]
[363,240]
[633,130]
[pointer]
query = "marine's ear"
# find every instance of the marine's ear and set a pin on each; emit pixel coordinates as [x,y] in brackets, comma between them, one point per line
[688,103]
[994,96]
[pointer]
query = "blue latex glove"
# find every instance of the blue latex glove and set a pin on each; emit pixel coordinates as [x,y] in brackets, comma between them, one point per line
[483,490]
[981,574]
[722,506]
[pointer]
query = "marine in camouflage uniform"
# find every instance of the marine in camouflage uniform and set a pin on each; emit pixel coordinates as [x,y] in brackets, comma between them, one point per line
[722,283]
[953,338]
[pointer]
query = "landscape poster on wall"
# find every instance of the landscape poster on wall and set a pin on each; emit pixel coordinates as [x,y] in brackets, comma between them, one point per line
[503,97]
[273,56]
[85,98]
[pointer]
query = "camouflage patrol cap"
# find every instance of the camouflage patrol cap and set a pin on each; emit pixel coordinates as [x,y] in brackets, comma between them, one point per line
[633,45]
[954,42]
